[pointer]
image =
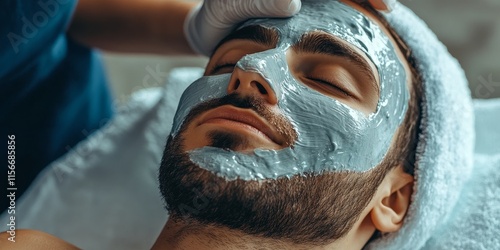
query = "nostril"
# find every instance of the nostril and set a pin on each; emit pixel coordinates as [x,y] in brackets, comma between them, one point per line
[236,84]
[261,88]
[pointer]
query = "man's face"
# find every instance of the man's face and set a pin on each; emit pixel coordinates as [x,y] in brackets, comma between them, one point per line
[331,96]
[286,128]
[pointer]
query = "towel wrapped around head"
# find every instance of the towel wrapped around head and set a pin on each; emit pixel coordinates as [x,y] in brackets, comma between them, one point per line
[446,142]
[455,204]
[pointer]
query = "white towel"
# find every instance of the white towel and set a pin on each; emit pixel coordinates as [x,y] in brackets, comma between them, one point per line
[444,180]
[475,220]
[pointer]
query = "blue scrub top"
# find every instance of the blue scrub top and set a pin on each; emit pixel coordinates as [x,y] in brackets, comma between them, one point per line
[53,92]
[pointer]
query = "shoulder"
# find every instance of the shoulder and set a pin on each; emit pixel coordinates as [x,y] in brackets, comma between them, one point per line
[31,239]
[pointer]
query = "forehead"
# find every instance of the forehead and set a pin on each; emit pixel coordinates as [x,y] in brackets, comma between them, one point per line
[335,18]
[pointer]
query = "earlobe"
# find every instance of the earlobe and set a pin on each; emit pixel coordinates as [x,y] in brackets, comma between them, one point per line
[390,209]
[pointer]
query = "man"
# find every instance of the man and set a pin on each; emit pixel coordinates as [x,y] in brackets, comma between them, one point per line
[289,145]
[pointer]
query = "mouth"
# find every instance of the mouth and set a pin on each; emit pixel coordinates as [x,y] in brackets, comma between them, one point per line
[242,119]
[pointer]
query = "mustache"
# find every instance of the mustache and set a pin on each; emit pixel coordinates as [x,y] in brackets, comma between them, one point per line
[282,125]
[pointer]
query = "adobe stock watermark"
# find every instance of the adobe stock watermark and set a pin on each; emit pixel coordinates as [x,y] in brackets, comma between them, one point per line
[31,26]
[11,186]
[487,86]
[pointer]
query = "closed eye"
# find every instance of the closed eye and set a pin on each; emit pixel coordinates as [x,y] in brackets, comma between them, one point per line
[222,68]
[329,86]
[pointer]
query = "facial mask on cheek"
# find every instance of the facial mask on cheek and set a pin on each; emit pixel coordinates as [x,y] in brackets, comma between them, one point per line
[331,135]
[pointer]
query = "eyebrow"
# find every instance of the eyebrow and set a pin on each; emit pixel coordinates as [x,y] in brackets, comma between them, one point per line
[266,36]
[321,43]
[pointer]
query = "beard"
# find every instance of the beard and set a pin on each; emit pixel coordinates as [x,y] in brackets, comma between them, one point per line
[307,208]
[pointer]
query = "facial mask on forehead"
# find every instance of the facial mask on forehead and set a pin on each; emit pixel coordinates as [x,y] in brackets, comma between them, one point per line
[331,135]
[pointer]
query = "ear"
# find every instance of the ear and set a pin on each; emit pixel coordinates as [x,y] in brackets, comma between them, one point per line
[392,201]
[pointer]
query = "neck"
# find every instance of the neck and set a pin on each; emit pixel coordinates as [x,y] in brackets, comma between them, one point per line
[179,234]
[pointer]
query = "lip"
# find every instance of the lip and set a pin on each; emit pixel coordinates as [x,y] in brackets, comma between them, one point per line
[245,116]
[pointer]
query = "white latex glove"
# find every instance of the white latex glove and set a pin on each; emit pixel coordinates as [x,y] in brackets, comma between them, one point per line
[212,20]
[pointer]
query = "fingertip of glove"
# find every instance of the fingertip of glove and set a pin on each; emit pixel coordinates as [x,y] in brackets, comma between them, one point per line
[289,7]
[191,32]
[294,6]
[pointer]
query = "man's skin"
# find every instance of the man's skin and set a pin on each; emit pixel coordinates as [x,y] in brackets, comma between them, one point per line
[384,213]
[143,27]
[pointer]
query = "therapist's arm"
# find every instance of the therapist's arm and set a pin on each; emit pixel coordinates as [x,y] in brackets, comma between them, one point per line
[157,26]
[137,26]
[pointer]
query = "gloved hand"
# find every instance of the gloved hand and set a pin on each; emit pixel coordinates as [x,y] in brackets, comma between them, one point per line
[211,21]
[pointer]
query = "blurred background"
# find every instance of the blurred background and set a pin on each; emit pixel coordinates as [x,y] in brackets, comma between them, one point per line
[470,30]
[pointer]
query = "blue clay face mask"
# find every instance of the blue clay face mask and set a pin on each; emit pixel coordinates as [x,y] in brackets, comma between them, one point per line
[331,135]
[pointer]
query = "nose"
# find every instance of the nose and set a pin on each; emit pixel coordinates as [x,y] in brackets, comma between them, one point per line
[251,83]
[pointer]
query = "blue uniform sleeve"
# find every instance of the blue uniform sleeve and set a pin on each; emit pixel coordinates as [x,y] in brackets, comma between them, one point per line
[27,28]
[53,91]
